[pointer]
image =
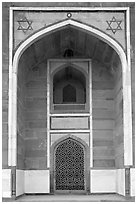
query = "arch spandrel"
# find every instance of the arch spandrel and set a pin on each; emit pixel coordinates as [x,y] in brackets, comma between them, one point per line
[60,25]
[112,23]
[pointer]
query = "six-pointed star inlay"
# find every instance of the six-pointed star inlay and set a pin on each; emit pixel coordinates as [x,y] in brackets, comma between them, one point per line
[114,25]
[24,24]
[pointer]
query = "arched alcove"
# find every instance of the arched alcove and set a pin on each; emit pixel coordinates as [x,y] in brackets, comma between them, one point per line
[32,44]
[69,165]
[69,86]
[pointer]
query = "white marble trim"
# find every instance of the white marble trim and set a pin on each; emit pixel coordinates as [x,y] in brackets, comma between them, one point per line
[37,181]
[127,104]
[120,181]
[20,182]
[91,128]
[70,8]
[10,106]
[6,183]
[132,182]
[48,115]
[103,181]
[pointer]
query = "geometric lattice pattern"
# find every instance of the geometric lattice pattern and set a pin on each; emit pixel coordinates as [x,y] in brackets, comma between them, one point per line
[69,166]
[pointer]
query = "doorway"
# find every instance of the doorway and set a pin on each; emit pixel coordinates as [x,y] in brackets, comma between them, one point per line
[69,167]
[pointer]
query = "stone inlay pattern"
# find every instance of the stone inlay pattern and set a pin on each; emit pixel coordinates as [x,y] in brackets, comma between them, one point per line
[69,166]
[69,15]
[24,25]
[109,22]
[114,25]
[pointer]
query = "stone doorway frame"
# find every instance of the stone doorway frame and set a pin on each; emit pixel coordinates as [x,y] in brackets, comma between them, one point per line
[86,164]
[82,114]
[13,71]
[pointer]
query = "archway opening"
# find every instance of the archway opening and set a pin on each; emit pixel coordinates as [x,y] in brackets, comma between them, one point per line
[69,89]
[107,106]
[70,166]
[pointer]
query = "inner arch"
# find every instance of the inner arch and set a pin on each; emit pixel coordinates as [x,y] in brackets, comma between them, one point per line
[69,165]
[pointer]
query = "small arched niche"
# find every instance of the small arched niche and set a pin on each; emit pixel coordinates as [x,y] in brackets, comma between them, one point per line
[69,89]
[69,94]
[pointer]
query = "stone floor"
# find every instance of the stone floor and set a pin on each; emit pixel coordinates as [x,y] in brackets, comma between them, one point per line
[72,198]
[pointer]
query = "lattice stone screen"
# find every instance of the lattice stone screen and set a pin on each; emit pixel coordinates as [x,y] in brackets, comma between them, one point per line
[69,166]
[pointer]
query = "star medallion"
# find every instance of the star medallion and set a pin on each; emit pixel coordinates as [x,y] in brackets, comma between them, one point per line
[24,25]
[114,25]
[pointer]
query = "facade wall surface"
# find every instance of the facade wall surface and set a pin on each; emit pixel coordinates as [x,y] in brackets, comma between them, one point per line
[34,144]
[5,52]
[36,122]
[31,91]
[103,116]
[21,111]
[118,126]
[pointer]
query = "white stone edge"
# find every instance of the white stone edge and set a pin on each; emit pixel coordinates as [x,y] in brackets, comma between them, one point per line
[132,182]
[10,88]
[90,99]
[127,103]
[69,8]
[36,174]
[6,175]
[48,115]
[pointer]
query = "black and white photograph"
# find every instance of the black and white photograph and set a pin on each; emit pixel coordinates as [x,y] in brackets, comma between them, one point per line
[68,101]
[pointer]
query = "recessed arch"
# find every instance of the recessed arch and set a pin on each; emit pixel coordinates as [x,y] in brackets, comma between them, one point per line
[85,148]
[69,85]
[126,72]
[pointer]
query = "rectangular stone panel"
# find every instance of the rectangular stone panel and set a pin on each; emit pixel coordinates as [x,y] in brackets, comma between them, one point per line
[6,183]
[103,181]
[69,123]
[56,136]
[19,182]
[37,181]
[120,181]
[104,163]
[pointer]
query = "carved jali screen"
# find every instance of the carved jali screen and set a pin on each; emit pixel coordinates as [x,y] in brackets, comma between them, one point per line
[69,166]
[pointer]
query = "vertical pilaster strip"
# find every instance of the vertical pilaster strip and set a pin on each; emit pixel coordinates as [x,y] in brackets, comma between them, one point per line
[127,104]
[10,122]
[90,106]
[48,115]
[127,181]
[13,181]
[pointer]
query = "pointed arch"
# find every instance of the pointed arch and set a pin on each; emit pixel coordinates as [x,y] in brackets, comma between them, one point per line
[86,158]
[126,72]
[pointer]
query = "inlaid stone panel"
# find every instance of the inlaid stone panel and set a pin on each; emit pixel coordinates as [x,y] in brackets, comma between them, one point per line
[69,123]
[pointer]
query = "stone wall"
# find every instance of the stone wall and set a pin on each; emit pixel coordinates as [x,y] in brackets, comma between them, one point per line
[36,114]
[118,127]
[103,117]
[21,111]
[31,138]
[5,86]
